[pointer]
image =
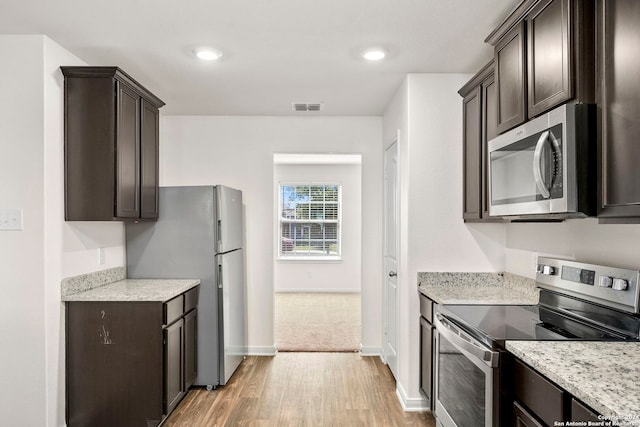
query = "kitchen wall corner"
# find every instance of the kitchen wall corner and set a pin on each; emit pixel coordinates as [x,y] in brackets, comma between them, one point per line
[37,258]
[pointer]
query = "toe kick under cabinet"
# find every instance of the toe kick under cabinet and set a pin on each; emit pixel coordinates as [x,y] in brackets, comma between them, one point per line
[129,363]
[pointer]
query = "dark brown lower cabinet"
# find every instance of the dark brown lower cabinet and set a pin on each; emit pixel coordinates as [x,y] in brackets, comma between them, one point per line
[113,364]
[538,402]
[427,348]
[128,363]
[173,365]
[580,412]
[522,418]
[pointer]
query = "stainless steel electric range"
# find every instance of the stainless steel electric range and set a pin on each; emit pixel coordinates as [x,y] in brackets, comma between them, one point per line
[578,301]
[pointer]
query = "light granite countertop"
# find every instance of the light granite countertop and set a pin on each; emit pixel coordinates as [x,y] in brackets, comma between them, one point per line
[604,375]
[478,288]
[160,290]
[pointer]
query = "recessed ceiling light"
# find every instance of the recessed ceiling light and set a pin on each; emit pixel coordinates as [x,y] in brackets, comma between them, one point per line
[374,54]
[207,53]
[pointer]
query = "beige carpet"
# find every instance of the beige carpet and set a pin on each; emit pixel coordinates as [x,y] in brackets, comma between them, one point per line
[327,322]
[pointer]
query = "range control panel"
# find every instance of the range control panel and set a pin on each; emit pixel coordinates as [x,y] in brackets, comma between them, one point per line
[610,286]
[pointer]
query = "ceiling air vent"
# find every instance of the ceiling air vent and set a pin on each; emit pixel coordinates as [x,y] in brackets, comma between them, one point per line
[307,106]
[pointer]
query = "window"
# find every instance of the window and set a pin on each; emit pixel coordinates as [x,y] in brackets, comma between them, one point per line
[309,220]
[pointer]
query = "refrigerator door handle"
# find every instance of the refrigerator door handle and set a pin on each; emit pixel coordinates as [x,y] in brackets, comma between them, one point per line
[219,276]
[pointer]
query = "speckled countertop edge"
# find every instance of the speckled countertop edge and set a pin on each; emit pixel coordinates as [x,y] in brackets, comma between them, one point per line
[85,282]
[604,375]
[478,288]
[136,290]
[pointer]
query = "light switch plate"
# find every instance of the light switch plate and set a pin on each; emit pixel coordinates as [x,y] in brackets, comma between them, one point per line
[10,219]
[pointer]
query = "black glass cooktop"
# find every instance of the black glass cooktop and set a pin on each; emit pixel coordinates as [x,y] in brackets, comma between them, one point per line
[494,324]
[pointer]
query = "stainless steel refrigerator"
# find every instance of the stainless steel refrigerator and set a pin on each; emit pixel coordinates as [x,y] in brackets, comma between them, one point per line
[199,234]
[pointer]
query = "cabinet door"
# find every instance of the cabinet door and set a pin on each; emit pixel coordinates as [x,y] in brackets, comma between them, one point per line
[619,98]
[113,364]
[489,131]
[149,161]
[127,153]
[510,79]
[471,155]
[549,59]
[426,359]
[522,418]
[190,348]
[173,365]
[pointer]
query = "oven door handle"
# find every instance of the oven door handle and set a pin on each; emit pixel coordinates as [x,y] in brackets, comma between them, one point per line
[465,342]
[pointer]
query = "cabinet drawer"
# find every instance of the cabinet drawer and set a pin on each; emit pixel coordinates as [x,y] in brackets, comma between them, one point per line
[173,309]
[538,394]
[191,299]
[580,412]
[426,308]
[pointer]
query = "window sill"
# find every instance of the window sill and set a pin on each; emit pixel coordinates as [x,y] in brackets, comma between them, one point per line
[314,259]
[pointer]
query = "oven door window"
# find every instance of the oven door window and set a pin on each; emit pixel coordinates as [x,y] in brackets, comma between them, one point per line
[528,170]
[462,388]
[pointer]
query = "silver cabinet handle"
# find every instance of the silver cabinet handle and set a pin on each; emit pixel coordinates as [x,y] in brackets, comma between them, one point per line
[392,274]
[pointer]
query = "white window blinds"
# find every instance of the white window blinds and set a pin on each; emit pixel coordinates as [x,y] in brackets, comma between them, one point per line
[309,220]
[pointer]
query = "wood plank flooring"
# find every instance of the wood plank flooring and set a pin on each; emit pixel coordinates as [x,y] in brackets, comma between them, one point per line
[301,389]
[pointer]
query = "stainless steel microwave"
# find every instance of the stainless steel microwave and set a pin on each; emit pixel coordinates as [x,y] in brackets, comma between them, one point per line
[545,168]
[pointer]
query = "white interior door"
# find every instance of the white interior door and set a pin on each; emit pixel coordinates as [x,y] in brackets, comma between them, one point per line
[391,256]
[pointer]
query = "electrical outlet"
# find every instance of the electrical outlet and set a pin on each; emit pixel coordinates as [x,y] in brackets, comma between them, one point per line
[101,256]
[10,219]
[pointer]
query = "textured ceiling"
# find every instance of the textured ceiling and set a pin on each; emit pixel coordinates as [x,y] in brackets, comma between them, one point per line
[275,51]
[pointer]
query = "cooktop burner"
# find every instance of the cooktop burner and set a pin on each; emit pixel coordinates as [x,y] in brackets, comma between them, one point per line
[578,301]
[495,324]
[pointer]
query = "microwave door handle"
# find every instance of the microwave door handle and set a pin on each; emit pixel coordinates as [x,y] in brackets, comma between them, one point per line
[557,155]
[537,170]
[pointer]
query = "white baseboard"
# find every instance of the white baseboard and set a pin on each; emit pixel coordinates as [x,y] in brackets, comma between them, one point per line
[371,351]
[411,404]
[319,290]
[262,351]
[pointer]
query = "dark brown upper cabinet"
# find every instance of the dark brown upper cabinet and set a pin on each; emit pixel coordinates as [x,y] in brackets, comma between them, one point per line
[111,146]
[471,155]
[550,60]
[479,126]
[489,131]
[544,57]
[510,63]
[618,66]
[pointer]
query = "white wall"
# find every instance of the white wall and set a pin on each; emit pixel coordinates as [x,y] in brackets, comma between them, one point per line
[433,237]
[579,239]
[238,151]
[324,276]
[35,260]
[22,330]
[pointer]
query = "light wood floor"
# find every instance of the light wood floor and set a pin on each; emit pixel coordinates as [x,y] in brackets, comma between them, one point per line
[301,389]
